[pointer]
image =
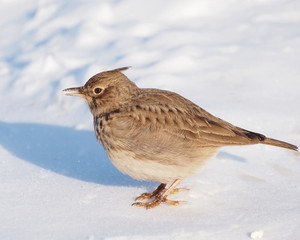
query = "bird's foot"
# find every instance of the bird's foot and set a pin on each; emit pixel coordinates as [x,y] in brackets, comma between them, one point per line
[144,196]
[161,188]
[156,193]
[156,201]
[160,195]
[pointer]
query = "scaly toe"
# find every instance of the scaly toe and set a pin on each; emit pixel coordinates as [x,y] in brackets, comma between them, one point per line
[139,204]
[157,201]
[175,203]
[144,196]
[152,204]
[172,202]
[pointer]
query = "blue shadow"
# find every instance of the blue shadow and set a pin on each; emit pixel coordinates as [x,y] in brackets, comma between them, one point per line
[230,156]
[63,150]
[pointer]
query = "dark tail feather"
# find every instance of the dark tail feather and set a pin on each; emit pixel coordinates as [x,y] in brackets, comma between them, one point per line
[277,143]
[259,138]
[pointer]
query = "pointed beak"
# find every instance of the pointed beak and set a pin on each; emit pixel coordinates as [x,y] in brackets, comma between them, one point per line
[74,92]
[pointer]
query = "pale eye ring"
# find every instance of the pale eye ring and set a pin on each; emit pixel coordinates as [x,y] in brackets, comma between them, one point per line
[97,90]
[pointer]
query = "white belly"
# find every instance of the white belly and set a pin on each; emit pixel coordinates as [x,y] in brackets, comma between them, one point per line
[151,170]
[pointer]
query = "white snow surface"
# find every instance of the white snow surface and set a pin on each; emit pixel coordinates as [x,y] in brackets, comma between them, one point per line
[237,59]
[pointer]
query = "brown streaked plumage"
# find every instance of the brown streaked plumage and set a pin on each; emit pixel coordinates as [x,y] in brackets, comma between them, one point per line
[157,135]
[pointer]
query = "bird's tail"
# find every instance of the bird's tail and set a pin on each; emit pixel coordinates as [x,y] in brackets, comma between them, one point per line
[259,138]
[278,143]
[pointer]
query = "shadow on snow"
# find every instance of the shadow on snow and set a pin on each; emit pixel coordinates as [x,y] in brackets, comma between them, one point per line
[67,151]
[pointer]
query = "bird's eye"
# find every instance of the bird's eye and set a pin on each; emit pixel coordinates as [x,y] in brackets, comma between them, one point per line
[97,90]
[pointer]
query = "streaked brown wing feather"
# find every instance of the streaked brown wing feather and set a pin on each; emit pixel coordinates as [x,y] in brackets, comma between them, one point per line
[170,118]
[179,119]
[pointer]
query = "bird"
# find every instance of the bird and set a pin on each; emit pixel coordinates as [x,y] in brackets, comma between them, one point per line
[157,135]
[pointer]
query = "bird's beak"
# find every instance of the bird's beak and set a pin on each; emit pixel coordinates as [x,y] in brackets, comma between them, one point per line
[77,91]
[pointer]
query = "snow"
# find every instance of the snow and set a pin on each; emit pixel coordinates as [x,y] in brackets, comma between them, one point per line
[237,59]
[257,234]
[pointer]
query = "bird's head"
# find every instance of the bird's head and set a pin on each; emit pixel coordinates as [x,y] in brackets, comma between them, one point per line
[106,91]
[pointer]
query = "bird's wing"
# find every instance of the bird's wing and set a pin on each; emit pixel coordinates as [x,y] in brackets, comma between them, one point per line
[170,117]
[167,120]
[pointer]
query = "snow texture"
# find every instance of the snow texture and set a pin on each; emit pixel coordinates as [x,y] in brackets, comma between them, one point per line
[237,59]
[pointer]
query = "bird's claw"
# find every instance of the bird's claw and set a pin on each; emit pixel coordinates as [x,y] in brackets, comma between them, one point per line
[154,194]
[144,196]
[155,202]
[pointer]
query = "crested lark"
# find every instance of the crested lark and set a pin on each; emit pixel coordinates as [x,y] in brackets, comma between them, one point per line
[157,135]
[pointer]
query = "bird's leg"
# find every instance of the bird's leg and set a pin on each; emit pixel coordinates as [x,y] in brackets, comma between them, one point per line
[157,191]
[161,197]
